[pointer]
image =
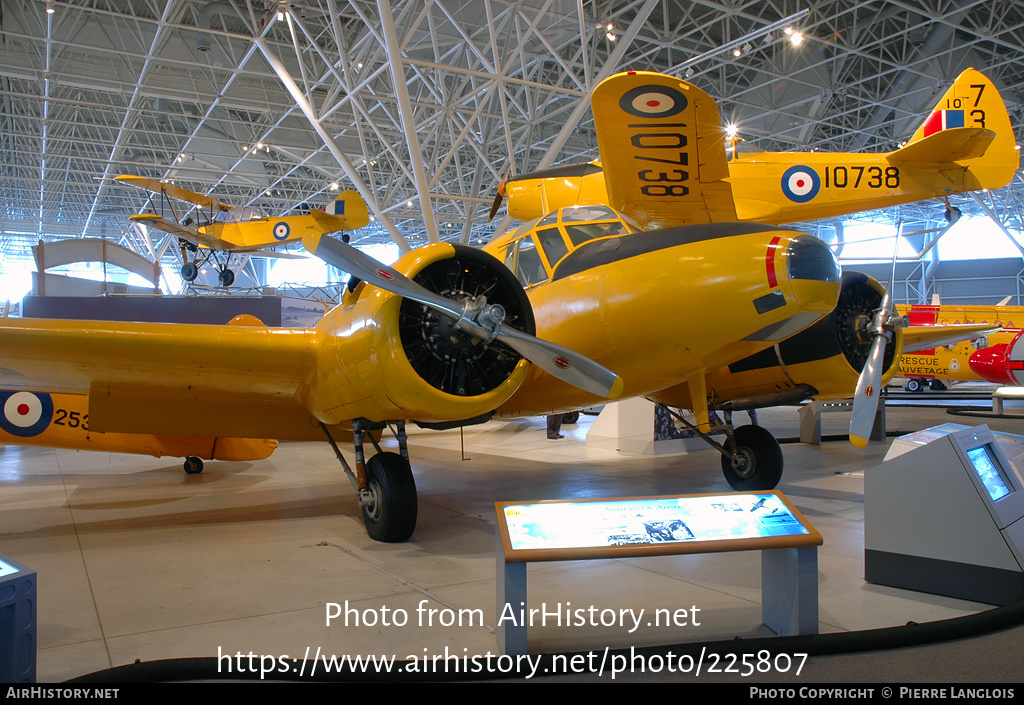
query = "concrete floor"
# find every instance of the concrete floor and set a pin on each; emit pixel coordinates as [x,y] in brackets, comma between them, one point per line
[137,560]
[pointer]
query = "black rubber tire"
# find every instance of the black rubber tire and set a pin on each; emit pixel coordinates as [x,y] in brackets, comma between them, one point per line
[392,518]
[193,465]
[189,271]
[763,457]
[226,277]
[913,385]
[571,417]
[938,385]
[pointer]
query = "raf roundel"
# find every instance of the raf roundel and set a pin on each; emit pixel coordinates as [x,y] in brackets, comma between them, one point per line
[800,184]
[281,231]
[653,102]
[25,414]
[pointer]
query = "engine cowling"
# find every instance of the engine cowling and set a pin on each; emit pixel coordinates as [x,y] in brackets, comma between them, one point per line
[386,357]
[1002,363]
[823,361]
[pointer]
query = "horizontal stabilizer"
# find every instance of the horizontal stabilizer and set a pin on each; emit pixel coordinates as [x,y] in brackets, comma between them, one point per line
[950,145]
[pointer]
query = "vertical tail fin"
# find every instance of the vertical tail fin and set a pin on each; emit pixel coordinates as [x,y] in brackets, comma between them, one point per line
[970,125]
[350,207]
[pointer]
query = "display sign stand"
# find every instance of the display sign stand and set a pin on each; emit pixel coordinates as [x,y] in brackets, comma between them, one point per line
[569,530]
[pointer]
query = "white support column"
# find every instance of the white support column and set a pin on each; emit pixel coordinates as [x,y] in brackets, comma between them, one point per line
[408,123]
[346,165]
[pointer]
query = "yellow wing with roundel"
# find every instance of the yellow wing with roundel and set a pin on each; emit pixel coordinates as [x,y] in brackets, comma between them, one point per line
[663,150]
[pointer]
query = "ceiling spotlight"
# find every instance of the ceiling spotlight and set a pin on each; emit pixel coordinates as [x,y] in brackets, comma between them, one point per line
[689,72]
[768,38]
[49,8]
[730,130]
[611,37]
[334,186]
[747,48]
[796,39]
[737,52]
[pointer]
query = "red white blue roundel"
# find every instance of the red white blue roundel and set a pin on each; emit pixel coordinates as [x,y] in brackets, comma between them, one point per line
[281,231]
[800,184]
[653,101]
[25,414]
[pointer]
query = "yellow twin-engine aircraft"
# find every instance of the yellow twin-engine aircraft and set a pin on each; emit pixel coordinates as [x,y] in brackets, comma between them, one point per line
[663,161]
[62,421]
[220,229]
[446,336]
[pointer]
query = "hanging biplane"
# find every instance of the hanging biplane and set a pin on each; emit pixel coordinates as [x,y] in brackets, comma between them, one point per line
[663,161]
[212,230]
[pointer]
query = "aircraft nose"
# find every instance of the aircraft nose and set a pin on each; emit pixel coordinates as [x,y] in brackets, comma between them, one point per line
[809,258]
[814,273]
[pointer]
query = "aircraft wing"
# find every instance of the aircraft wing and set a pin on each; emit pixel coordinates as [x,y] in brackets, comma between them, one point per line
[917,338]
[170,379]
[172,191]
[663,150]
[191,234]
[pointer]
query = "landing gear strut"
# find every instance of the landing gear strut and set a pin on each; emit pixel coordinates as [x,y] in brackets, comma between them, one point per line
[751,457]
[385,487]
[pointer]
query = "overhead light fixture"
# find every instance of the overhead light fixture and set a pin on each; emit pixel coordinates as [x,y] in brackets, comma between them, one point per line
[49,8]
[334,186]
[689,72]
[796,39]
[737,52]
[747,48]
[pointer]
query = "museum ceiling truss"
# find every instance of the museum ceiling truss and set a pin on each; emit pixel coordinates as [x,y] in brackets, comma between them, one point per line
[423,107]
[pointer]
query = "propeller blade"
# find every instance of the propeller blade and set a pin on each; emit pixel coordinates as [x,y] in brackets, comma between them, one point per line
[865,399]
[499,195]
[362,266]
[481,320]
[495,206]
[563,363]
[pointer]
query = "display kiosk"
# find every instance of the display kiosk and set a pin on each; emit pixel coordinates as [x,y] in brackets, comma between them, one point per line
[17,622]
[942,514]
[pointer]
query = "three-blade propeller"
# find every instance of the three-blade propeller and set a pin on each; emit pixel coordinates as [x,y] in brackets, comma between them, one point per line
[475,316]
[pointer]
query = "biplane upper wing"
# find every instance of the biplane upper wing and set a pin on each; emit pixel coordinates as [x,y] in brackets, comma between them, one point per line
[663,150]
[171,191]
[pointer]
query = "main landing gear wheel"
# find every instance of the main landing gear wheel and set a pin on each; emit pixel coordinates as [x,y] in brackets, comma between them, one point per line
[757,464]
[571,417]
[913,385]
[193,465]
[390,516]
[226,277]
[189,271]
